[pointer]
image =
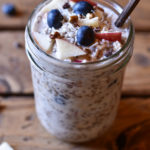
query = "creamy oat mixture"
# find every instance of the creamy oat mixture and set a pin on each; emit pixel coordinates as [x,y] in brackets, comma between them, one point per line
[62,42]
[77,102]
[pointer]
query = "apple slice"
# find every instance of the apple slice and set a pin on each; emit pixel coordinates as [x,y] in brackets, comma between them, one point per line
[94,22]
[116,36]
[55,4]
[89,1]
[44,41]
[5,146]
[66,50]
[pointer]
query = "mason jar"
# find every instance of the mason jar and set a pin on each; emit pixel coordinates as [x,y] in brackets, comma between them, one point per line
[77,102]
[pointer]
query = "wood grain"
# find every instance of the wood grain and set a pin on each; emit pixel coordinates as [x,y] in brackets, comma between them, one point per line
[14,66]
[15,70]
[141,17]
[137,81]
[24,9]
[20,128]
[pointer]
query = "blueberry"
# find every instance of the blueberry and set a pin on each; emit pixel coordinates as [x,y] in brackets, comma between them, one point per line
[60,99]
[82,8]
[9,9]
[54,19]
[85,36]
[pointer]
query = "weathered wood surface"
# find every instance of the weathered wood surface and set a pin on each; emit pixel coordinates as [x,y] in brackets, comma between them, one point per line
[20,128]
[137,77]
[141,17]
[15,70]
[24,9]
[14,66]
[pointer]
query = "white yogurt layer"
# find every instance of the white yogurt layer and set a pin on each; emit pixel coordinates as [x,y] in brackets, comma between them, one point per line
[101,20]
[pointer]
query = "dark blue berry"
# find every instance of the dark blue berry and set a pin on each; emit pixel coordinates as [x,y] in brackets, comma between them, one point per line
[82,8]
[60,99]
[85,36]
[54,19]
[9,9]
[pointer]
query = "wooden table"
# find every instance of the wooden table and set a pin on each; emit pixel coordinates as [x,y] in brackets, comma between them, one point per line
[18,123]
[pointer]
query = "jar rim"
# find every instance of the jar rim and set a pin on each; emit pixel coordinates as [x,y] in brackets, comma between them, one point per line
[49,57]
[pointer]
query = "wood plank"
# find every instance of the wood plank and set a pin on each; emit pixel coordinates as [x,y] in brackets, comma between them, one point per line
[141,17]
[137,81]
[15,69]
[24,9]
[20,128]
[14,66]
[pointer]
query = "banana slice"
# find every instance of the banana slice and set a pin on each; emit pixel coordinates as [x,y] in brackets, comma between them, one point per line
[99,13]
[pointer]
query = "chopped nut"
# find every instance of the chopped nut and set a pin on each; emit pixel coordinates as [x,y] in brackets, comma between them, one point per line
[101,9]
[88,51]
[55,35]
[99,53]
[65,19]
[81,57]
[66,6]
[73,19]
[99,14]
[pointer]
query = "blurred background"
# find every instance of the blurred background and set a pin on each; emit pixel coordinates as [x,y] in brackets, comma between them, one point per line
[16,93]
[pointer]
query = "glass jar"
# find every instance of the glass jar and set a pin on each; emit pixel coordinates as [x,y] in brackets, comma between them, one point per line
[77,102]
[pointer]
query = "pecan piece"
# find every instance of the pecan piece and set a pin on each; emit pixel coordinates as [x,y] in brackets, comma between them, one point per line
[55,35]
[73,19]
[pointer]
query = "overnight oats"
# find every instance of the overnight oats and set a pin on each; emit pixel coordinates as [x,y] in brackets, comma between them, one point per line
[78,59]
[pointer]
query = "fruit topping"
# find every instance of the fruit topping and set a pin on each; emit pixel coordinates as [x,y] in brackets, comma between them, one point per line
[9,9]
[85,36]
[94,22]
[43,41]
[66,50]
[89,15]
[82,8]
[89,1]
[54,4]
[116,36]
[54,19]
